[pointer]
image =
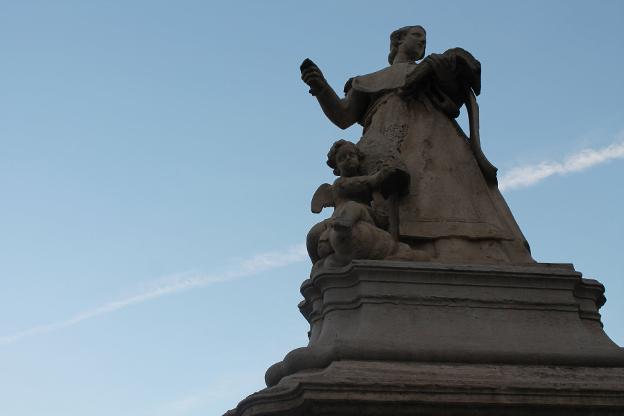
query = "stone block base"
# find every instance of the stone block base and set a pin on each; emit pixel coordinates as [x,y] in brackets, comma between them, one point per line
[361,388]
[408,338]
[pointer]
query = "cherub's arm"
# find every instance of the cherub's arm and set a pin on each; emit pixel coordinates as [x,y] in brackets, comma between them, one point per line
[359,187]
[388,180]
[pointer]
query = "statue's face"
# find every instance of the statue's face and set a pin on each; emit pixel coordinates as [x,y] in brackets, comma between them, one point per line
[414,43]
[347,160]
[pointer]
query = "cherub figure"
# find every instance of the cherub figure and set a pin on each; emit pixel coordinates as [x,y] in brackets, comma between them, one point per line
[354,231]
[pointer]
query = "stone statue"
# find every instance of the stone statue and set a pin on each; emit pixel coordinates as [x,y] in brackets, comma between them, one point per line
[479,327]
[355,230]
[452,208]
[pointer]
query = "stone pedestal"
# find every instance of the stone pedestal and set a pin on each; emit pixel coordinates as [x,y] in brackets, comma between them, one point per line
[438,339]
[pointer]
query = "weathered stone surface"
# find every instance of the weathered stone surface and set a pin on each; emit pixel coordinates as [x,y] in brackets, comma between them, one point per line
[355,229]
[479,328]
[425,312]
[452,208]
[437,339]
[402,388]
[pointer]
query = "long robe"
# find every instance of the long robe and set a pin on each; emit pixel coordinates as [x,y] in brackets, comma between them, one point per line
[449,205]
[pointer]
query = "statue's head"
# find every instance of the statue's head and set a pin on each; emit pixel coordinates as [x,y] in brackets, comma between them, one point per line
[412,40]
[344,158]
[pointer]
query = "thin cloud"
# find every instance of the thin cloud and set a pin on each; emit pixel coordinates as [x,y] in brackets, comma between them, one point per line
[520,177]
[173,284]
[525,176]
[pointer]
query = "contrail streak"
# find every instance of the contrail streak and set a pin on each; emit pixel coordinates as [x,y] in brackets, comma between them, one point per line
[525,176]
[255,264]
[519,177]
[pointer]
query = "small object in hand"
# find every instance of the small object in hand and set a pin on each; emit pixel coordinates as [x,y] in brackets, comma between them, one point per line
[307,63]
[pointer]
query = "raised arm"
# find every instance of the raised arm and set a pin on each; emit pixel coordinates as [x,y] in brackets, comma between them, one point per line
[343,112]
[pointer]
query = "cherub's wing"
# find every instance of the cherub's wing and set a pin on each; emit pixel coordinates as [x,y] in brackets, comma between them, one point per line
[323,197]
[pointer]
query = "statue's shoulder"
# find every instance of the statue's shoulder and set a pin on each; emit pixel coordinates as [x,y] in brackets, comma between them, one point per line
[388,78]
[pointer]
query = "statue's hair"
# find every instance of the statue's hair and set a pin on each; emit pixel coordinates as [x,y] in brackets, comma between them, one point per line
[395,40]
[331,156]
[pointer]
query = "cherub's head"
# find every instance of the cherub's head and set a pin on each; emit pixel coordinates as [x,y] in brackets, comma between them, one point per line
[344,158]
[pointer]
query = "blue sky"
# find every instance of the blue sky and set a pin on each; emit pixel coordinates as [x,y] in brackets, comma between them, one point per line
[158,161]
